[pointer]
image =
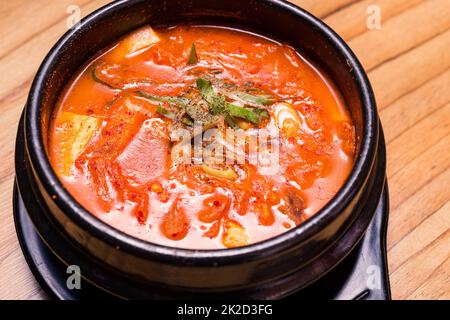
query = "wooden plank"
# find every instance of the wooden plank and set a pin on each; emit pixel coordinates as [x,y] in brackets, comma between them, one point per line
[414,210]
[416,271]
[16,74]
[434,288]
[24,284]
[410,70]
[419,237]
[352,20]
[413,107]
[401,33]
[322,8]
[418,139]
[43,18]
[424,168]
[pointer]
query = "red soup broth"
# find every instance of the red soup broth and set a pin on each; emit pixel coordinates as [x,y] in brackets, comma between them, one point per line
[109,138]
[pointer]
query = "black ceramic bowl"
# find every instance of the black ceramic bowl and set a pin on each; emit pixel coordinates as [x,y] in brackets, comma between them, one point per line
[133,268]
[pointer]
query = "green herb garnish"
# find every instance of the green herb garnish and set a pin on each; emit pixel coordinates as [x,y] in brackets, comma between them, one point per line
[263,113]
[198,114]
[262,100]
[176,100]
[193,58]
[187,120]
[218,105]
[163,111]
[215,102]
[240,112]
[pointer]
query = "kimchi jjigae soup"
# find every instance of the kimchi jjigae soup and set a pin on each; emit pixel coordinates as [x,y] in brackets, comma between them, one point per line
[201,137]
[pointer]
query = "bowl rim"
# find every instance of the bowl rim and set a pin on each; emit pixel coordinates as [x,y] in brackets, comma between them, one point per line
[147,250]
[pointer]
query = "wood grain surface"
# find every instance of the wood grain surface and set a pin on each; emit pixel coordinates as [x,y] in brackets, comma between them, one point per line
[407,60]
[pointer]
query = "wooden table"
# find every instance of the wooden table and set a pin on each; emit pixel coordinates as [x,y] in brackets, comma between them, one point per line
[407,59]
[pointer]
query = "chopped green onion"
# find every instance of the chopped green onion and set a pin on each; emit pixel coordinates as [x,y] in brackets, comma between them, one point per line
[230,121]
[187,121]
[163,111]
[215,102]
[240,112]
[218,105]
[193,58]
[206,119]
[263,113]
[263,100]
[98,80]
[176,100]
